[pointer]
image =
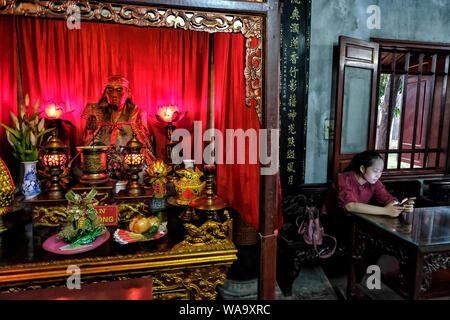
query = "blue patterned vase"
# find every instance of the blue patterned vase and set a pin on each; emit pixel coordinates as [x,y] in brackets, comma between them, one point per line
[30,184]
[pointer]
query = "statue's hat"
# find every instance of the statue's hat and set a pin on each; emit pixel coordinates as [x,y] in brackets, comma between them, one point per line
[118,79]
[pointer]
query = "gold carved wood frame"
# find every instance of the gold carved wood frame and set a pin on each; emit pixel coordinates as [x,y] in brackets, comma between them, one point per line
[250,26]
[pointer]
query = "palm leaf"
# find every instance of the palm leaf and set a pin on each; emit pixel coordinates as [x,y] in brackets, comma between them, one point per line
[34,116]
[13,116]
[27,99]
[32,139]
[11,130]
[41,124]
[41,133]
[36,105]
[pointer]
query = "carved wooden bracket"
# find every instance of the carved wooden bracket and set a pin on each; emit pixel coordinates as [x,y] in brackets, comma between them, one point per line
[200,282]
[365,239]
[433,262]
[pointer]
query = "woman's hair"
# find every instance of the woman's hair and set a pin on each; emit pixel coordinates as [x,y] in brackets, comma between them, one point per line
[365,159]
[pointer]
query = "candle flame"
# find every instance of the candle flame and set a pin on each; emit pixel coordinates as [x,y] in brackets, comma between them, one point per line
[52,111]
[167,113]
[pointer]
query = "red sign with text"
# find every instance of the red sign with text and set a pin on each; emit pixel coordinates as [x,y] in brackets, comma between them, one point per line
[108,214]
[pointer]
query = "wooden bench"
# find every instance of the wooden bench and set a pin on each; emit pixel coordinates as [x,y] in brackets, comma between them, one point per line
[293,252]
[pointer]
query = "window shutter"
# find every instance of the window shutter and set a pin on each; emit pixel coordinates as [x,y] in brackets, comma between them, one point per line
[356,100]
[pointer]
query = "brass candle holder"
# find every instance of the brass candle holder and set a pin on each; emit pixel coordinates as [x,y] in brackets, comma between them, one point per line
[210,202]
[168,115]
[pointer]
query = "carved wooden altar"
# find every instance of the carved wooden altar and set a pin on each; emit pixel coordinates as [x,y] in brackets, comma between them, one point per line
[183,265]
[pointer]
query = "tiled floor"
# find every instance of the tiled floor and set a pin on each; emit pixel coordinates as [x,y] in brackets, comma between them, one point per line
[328,282]
[311,284]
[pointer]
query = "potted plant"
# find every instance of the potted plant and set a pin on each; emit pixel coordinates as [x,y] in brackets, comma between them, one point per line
[26,138]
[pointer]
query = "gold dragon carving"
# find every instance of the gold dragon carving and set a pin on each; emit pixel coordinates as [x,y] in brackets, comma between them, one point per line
[212,235]
[49,216]
[200,282]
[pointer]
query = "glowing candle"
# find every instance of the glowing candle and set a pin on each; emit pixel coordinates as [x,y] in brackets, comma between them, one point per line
[52,111]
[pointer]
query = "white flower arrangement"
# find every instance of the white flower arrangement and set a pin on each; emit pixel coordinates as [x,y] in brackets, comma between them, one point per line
[28,132]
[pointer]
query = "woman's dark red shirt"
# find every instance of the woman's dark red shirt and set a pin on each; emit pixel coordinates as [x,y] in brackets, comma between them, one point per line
[347,189]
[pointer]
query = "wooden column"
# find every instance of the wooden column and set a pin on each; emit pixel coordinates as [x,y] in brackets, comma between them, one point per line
[269,183]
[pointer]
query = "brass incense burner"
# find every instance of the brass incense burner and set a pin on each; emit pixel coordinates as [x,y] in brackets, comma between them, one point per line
[93,160]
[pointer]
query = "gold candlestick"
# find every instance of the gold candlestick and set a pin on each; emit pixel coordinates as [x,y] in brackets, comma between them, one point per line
[210,202]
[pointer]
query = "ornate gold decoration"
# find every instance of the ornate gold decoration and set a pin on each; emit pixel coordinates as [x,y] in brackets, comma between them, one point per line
[204,282]
[253,75]
[189,186]
[49,216]
[157,178]
[128,211]
[63,177]
[200,282]
[250,26]
[6,187]
[211,235]
[102,196]
[168,281]
[182,295]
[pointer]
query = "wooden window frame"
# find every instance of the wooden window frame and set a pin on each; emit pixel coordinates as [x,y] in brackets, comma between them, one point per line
[338,161]
[408,48]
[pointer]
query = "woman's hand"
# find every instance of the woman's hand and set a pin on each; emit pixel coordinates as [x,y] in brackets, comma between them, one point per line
[392,209]
[408,205]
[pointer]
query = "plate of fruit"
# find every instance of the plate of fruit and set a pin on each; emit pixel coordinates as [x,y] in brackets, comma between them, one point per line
[141,229]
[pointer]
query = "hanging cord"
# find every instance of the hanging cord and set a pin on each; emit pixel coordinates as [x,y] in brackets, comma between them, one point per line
[274,234]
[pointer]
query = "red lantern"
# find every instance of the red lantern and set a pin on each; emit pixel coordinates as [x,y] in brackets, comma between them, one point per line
[134,159]
[54,159]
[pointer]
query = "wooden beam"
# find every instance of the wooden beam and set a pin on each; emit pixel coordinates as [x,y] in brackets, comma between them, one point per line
[269,183]
[213,5]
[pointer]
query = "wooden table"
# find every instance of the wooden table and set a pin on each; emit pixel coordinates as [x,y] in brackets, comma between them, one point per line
[420,243]
[183,265]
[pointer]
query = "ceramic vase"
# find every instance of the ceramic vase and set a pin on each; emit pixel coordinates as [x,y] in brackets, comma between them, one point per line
[30,183]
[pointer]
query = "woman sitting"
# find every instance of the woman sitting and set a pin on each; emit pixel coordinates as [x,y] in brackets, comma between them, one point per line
[359,184]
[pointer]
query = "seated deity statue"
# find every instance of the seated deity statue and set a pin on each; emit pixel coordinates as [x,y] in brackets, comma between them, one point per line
[112,122]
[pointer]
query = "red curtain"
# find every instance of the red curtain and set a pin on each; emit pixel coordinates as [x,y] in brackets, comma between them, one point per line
[164,66]
[8,86]
[238,183]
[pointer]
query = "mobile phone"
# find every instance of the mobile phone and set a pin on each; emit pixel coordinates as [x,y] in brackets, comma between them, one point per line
[404,200]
